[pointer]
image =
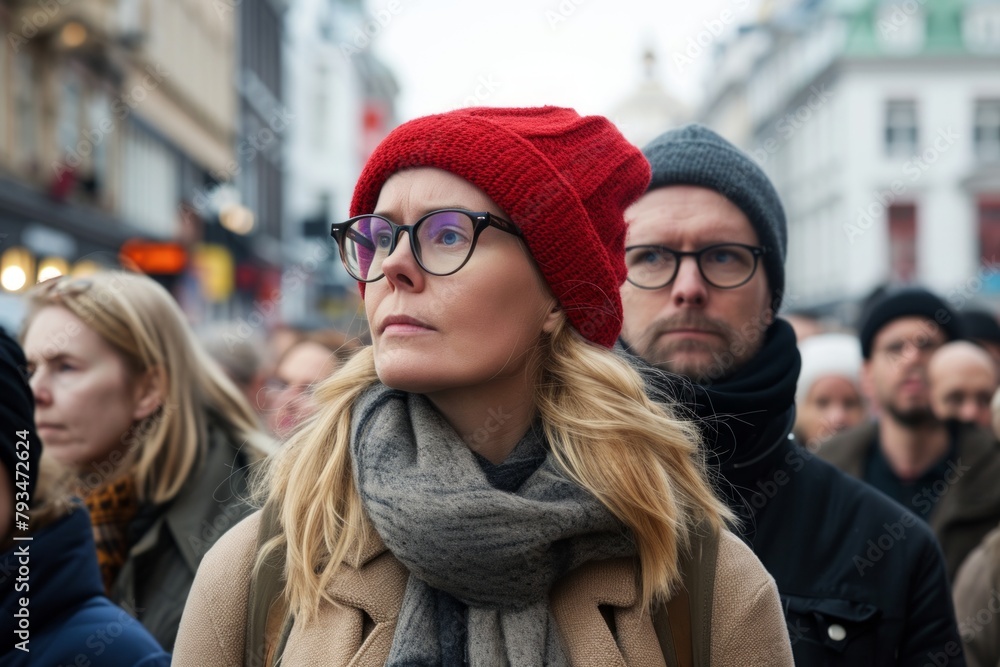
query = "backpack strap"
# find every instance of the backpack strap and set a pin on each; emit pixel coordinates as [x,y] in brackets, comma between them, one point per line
[684,624]
[266,587]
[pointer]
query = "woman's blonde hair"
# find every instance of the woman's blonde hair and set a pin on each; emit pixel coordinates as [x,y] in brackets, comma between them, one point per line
[641,462]
[142,322]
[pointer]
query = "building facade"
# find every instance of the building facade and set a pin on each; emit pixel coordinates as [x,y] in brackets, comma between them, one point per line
[113,115]
[650,110]
[344,103]
[879,123]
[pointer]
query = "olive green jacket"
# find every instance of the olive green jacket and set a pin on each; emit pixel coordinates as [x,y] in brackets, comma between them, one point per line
[154,582]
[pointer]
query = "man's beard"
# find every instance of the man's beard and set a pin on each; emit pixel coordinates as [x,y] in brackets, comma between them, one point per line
[702,362]
[913,417]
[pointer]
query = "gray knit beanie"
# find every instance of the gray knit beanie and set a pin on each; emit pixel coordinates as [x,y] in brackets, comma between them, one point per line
[695,155]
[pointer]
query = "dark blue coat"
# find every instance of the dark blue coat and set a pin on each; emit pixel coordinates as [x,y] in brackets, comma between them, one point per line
[70,620]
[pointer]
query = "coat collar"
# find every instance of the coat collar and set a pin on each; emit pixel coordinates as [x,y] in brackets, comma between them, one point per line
[376,584]
[974,493]
[371,548]
[849,451]
[210,502]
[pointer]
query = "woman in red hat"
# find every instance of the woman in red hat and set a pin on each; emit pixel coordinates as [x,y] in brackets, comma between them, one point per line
[487,484]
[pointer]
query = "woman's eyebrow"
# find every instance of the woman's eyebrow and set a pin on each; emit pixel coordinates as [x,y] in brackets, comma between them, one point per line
[57,356]
[423,211]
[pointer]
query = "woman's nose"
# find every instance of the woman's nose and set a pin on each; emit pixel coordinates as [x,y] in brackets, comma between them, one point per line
[400,266]
[39,384]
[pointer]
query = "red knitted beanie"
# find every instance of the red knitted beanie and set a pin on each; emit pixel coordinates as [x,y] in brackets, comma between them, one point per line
[563,179]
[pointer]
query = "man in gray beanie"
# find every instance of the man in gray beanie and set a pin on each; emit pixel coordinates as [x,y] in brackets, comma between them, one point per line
[695,155]
[697,304]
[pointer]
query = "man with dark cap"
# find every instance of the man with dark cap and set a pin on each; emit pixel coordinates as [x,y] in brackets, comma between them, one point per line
[705,257]
[981,327]
[945,472]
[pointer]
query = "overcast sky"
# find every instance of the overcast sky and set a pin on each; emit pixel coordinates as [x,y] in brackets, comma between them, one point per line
[585,54]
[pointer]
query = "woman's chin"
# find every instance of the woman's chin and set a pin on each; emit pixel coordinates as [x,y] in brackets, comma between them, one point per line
[413,379]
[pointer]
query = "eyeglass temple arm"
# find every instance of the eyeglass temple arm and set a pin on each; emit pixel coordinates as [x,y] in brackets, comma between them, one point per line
[353,235]
[505,225]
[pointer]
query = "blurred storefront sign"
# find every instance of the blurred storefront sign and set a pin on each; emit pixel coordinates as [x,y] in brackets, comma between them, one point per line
[214,267]
[155,258]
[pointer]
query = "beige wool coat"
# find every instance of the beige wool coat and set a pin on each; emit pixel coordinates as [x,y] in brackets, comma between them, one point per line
[748,625]
[977,603]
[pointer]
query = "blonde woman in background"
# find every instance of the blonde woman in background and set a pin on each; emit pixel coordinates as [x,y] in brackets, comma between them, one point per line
[57,614]
[488,483]
[160,439]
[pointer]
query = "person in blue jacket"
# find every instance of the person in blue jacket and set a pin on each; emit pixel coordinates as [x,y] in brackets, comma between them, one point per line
[53,610]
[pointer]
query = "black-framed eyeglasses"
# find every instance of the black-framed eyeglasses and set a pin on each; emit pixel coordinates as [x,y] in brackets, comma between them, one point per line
[924,345]
[723,265]
[442,241]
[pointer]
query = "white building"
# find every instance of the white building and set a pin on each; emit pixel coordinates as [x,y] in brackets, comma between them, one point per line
[342,102]
[650,110]
[879,123]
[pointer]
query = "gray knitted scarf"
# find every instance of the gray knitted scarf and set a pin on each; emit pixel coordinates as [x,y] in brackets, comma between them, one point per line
[497,552]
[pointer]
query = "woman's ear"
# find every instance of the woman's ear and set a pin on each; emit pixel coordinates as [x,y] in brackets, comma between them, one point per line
[553,317]
[150,390]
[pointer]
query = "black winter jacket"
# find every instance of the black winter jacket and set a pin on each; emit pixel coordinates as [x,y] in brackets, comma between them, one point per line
[861,579]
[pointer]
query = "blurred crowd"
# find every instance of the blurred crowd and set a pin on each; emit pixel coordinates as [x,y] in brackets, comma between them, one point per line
[145,442]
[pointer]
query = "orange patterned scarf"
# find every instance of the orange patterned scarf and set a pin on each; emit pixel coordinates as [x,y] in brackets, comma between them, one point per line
[112,507]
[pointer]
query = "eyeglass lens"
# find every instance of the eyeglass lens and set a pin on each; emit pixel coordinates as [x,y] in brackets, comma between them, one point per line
[722,265]
[441,241]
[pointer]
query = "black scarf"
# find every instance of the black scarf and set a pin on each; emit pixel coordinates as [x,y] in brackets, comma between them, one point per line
[744,417]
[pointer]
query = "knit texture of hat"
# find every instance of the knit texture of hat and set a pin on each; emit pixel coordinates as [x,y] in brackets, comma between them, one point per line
[695,155]
[17,419]
[563,179]
[906,302]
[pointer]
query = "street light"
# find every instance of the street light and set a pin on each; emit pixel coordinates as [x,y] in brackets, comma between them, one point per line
[13,278]
[16,265]
[73,34]
[237,218]
[52,267]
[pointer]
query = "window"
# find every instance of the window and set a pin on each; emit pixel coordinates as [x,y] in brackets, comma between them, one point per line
[26,107]
[133,20]
[5,87]
[902,243]
[981,28]
[321,109]
[101,126]
[901,133]
[989,230]
[70,97]
[986,133]
[150,183]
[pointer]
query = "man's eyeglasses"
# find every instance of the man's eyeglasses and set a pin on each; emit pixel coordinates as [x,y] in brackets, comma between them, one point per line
[441,241]
[725,265]
[922,345]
